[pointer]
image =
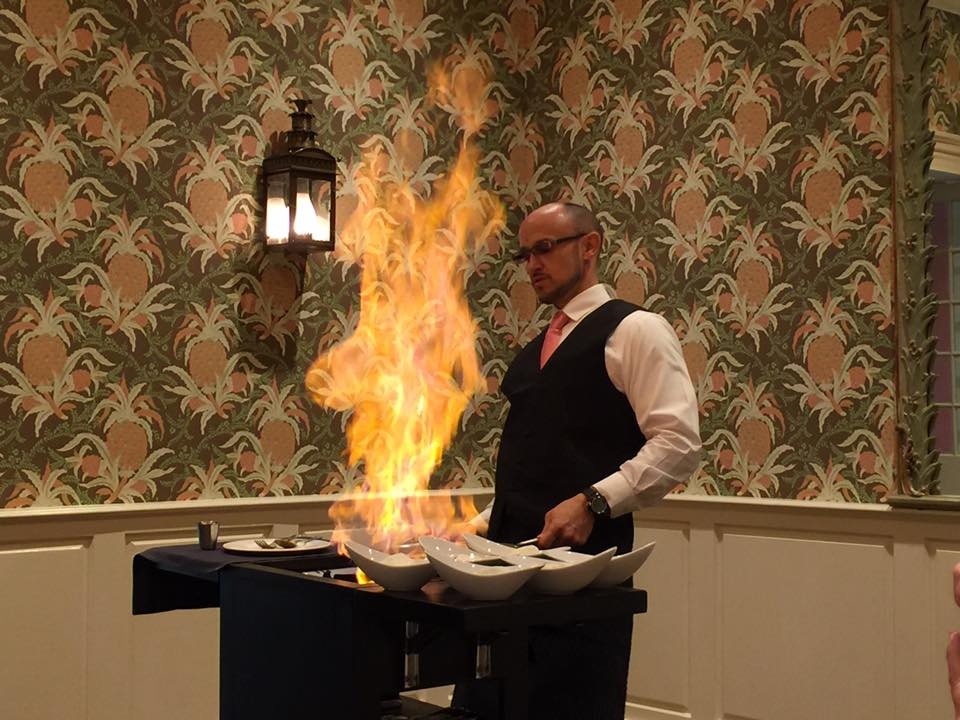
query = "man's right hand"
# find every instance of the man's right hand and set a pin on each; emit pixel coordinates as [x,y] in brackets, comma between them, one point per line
[569,523]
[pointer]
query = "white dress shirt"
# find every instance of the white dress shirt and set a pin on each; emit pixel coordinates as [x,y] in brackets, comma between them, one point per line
[645,363]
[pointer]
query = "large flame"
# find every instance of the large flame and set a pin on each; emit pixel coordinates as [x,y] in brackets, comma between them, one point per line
[410,368]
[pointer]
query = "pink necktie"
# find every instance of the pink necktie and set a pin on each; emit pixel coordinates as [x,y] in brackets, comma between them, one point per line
[552,339]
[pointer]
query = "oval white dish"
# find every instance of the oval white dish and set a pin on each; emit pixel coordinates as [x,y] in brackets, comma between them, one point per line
[479,577]
[391,571]
[622,567]
[489,547]
[566,572]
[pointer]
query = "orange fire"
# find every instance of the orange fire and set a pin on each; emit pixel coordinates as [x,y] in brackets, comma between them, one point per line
[410,368]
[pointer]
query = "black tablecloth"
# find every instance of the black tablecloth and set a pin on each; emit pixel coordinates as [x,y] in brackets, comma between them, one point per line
[182,577]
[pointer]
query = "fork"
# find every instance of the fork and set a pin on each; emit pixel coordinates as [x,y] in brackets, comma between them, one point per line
[284,542]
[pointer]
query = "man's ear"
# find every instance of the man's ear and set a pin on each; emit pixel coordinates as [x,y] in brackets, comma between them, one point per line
[592,243]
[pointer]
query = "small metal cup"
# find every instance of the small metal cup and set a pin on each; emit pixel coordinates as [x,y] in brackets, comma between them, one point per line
[207,533]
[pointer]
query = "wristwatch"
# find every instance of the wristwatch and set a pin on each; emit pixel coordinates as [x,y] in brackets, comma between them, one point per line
[596,502]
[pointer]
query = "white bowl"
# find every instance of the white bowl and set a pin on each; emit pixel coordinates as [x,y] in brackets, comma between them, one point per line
[622,567]
[489,547]
[479,577]
[390,571]
[361,536]
[565,572]
[451,549]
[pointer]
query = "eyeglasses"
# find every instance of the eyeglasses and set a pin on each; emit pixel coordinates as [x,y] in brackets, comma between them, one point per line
[542,247]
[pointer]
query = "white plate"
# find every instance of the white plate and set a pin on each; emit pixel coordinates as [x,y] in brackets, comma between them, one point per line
[250,547]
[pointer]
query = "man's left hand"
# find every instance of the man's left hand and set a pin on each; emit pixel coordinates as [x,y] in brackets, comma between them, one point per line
[569,523]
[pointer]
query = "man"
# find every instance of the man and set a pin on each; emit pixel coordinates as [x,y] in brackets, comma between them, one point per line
[602,420]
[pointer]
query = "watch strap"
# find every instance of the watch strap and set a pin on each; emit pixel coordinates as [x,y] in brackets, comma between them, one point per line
[596,502]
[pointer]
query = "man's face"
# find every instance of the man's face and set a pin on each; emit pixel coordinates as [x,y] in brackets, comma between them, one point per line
[557,275]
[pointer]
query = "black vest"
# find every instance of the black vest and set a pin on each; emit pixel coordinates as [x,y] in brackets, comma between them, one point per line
[568,428]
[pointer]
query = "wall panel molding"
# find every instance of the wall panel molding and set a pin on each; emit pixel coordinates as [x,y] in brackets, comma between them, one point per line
[892,564]
[44,603]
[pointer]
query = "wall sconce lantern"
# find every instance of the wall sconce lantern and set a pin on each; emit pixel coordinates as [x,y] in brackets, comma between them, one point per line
[301,190]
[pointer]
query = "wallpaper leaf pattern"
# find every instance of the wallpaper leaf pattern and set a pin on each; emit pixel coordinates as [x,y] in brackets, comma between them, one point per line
[737,152]
[945,51]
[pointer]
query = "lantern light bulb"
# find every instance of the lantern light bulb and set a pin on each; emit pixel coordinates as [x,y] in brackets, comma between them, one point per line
[278,220]
[305,220]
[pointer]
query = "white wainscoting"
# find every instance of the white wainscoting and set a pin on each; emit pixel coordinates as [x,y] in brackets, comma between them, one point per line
[792,611]
[757,611]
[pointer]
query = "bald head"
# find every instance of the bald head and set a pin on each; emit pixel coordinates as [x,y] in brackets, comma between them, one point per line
[576,218]
[582,219]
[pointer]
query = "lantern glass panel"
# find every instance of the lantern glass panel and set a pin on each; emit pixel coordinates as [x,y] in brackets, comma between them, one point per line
[312,217]
[278,213]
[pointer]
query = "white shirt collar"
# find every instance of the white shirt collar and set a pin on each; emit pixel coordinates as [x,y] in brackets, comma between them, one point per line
[586,302]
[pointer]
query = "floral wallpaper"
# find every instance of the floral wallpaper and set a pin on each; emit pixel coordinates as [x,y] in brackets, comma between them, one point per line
[740,153]
[737,152]
[944,46]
